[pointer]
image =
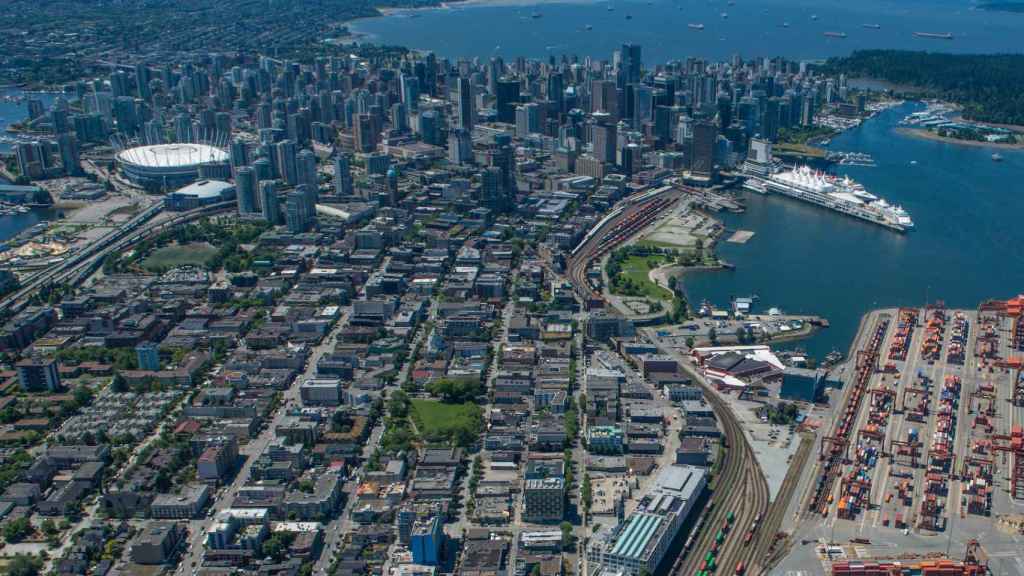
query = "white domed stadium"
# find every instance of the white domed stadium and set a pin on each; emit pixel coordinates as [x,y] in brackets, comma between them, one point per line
[171,166]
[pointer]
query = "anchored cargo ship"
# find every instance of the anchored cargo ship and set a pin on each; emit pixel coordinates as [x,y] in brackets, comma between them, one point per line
[934,35]
[835,193]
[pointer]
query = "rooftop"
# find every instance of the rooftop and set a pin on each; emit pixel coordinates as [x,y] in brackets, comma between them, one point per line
[172,155]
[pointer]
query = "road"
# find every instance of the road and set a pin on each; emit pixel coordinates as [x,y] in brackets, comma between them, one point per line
[739,486]
[255,447]
[739,481]
[592,247]
[336,529]
[124,237]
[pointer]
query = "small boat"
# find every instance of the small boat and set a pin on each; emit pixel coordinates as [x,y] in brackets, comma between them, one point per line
[695,26]
[588,27]
[535,15]
[814,16]
[835,34]
[785,24]
[913,162]
[725,15]
[629,17]
[997,157]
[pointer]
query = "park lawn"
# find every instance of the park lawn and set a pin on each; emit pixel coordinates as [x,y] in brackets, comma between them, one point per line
[194,254]
[636,268]
[648,243]
[800,149]
[439,421]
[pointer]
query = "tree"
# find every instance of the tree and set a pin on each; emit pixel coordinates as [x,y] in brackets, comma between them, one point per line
[118,384]
[49,527]
[713,335]
[398,404]
[83,396]
[16,530]
[277,545]
[585,492]
[454,391]
[567,536]
[163,480]
[690,342]
[341,421]
[23,565]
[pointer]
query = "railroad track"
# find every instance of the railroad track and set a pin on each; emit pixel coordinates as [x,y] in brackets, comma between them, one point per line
[72,270]
[594,245]
[740,489]
[830,467]
[762,556]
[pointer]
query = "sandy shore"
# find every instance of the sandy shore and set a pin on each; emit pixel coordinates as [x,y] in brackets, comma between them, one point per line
[466,3]
[929,135]
[661,274]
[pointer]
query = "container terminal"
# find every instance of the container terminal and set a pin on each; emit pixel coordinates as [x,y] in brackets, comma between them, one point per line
[921,470]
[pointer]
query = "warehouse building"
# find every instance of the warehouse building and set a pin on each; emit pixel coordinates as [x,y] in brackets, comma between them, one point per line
[639,543]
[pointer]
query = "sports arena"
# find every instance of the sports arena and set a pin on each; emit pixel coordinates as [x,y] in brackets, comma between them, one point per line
[171,166]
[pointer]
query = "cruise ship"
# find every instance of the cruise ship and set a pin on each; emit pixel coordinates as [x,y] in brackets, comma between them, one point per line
[839,194]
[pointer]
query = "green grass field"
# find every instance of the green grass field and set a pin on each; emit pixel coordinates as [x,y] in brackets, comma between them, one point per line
[194,254]
[439,421]
[800,150]
[635,268]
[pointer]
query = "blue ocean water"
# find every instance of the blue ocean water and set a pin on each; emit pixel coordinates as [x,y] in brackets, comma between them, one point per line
[12,111]
[752,28]
[967,244]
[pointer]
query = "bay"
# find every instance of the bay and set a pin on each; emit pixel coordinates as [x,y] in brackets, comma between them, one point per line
[967,244]
[14,108]
[752,28]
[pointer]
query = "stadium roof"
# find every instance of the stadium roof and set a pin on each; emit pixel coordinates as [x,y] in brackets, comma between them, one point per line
[172,155]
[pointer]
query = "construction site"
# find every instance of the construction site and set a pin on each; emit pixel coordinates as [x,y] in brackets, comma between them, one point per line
[921,470]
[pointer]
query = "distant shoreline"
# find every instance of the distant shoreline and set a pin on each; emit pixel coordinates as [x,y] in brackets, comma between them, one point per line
[449,5]
[929,135]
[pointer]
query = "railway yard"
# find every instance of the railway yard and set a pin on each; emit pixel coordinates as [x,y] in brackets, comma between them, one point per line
[924,460]
[919,465]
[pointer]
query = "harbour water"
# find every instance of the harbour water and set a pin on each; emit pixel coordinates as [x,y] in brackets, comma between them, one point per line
[967,244]
[10,112]
[14,108]
[752,28]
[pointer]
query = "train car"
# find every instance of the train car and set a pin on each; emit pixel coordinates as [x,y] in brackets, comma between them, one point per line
[720,537]
[749,536]
[730,518]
